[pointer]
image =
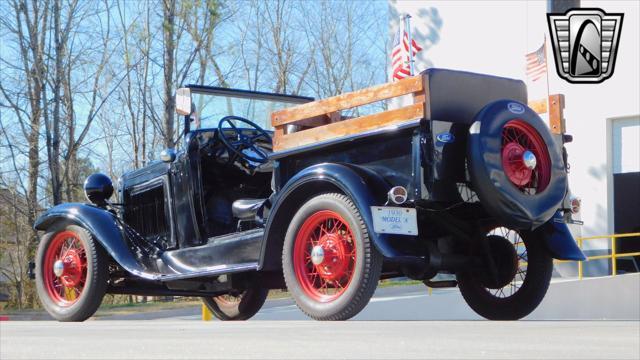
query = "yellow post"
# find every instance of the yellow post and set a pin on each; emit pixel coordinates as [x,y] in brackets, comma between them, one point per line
[206,314]
[580,262]
[614,266]
[430,290]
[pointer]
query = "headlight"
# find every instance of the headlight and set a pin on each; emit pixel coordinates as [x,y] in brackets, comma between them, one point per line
[98,188]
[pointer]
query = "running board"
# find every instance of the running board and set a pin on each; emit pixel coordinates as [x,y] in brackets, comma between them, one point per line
[224,254]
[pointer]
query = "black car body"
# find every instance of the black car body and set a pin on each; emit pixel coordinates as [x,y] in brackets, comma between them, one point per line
[209,221]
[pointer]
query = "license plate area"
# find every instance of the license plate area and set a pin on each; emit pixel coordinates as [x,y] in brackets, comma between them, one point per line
[394,220]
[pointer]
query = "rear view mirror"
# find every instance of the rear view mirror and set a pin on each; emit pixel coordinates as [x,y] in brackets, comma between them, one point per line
[183,101]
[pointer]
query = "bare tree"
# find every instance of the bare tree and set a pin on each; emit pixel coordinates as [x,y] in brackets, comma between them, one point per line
[93,82]
[168,29]
[342,40]
[95,98]
[15,230]
[28,29]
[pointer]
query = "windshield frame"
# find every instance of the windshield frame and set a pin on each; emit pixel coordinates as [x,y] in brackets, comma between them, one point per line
[244,94]
[249,94]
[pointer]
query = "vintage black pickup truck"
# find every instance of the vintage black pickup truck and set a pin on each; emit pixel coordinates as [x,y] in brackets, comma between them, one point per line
[271,191]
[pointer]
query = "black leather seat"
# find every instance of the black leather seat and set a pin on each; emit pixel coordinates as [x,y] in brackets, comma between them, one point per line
[457,96]
[246,209]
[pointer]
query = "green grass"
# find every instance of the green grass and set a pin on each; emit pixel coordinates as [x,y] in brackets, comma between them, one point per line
[151,306]
[393,283]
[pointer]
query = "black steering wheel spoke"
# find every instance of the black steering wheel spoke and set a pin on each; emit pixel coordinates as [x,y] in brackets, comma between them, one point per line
[236,148]
[258,150]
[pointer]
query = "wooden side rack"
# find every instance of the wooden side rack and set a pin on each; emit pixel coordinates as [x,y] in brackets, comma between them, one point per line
[555,111]
[321,120]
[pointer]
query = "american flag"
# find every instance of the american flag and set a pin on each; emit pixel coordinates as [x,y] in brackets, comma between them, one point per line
[400,55]
[536,63]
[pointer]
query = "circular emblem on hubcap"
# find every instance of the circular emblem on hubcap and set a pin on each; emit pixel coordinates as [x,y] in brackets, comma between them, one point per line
[58,268]
[529,159]
[317,255]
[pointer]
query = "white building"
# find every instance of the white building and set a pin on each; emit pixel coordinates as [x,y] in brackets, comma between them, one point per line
[604,119]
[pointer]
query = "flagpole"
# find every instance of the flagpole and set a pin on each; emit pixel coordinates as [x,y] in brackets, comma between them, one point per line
[547,70]
[407,29]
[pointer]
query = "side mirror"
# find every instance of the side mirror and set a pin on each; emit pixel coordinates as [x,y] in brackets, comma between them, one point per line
[183,101]
[168,155]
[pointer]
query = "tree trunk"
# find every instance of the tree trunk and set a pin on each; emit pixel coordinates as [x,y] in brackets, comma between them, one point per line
[168,29]
[54,159]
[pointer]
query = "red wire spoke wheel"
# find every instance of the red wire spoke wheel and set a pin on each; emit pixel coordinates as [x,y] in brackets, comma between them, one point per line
[324,256]
[330,265]
[525,157]
[65,268]
[71,272]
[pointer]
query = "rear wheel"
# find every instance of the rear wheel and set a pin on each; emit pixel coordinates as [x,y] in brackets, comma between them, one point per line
[71,273]
[523,272]
[329,263]
[240,306]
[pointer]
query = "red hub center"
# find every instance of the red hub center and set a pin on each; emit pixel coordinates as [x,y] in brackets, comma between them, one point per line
[335,260]
[72,265]
[65,268]
[525,157]
[328,236]
[514,166]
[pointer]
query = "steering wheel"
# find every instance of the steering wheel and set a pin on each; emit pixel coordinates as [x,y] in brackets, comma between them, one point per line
[243,141]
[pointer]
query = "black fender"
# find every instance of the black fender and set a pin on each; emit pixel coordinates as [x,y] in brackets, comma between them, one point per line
[364,187]
[558,239]
[102,225]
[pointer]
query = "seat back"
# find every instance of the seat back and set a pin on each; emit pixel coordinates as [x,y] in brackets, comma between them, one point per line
[456,96]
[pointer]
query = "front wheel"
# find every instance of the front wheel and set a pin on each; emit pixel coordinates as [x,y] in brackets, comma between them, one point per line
[523,270]
[240,306]
[71,273]
[330,266]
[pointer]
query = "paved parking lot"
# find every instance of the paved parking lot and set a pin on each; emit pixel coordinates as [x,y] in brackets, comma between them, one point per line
[397,323]
[312,340]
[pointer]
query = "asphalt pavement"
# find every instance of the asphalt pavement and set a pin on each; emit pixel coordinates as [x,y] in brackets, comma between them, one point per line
[319,340]
[386,329]
[391,303]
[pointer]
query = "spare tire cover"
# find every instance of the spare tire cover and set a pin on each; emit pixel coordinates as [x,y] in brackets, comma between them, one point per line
[499,196]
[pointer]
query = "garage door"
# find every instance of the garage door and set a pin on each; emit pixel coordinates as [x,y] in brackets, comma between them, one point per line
[626,187]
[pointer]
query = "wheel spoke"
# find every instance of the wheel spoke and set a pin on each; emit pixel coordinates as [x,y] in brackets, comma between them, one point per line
[327,281]
[513,286]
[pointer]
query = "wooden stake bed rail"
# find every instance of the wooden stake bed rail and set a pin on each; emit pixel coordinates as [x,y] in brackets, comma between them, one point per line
[321,121]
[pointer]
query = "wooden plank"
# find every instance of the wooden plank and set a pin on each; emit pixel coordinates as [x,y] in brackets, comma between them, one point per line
[421,96]
[556,114]
[320,120]
[348,127]
[539,106]
[347,101]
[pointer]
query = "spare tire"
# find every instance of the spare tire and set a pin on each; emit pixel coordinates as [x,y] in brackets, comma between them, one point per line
[515,166]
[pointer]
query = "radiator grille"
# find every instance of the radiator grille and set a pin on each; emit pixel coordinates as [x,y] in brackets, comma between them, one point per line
[147,214]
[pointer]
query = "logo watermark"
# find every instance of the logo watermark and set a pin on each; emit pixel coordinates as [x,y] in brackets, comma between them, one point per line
[585,44]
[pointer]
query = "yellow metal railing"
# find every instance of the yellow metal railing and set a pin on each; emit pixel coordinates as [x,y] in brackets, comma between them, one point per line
[613,256]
